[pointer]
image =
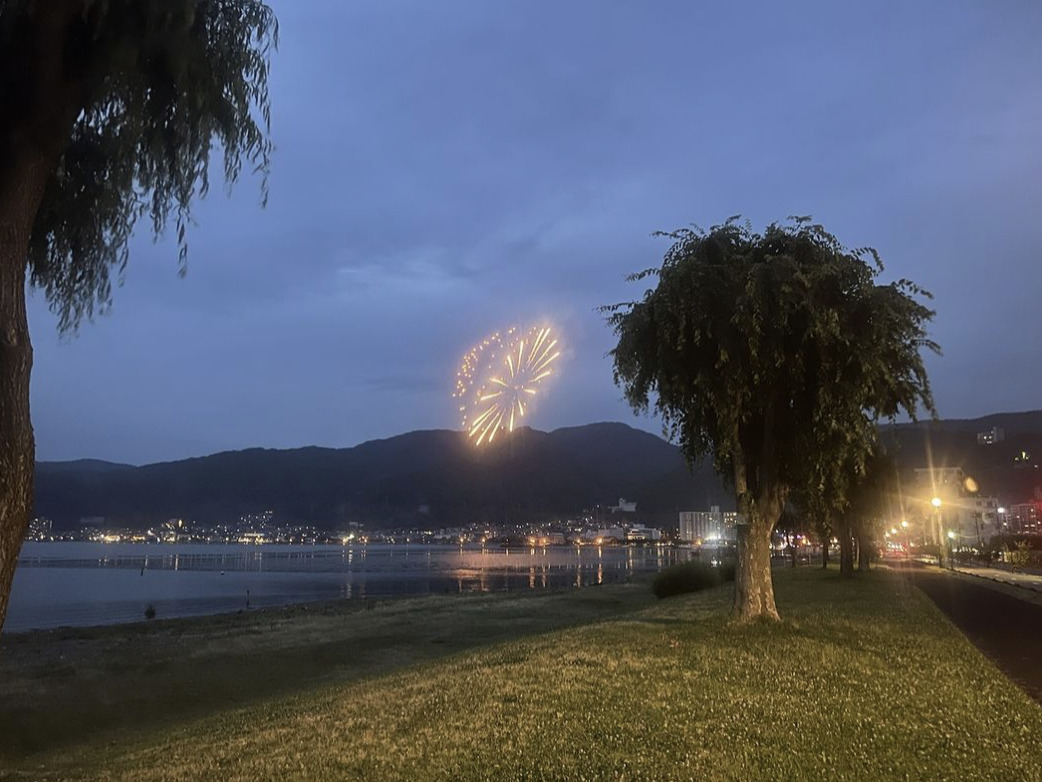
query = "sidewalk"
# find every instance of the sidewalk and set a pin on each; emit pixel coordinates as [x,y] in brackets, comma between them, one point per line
[1032,581]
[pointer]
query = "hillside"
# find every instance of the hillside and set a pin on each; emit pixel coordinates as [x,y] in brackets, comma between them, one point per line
[1000,468]
[436,477]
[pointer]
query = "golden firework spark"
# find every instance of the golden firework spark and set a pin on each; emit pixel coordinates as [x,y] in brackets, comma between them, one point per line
[499,377]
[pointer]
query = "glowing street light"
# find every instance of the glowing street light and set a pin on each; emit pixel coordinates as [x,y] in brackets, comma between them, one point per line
[936,502]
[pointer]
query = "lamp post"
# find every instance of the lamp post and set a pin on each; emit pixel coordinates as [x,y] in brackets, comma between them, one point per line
[951,540]
[908,542]
[936,502]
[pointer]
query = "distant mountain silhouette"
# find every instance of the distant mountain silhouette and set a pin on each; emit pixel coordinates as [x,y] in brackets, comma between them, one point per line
[438,478]
[80,466]
[430,478]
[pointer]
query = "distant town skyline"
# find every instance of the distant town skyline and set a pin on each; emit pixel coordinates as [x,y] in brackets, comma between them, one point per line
[445,171]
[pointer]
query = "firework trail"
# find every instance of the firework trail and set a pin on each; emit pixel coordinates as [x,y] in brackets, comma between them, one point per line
[499,378]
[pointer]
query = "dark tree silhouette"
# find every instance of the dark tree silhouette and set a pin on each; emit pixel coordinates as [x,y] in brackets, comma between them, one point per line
[776,354]
[109,112]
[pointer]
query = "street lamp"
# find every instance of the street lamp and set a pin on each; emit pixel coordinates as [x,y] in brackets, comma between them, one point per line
[951,540]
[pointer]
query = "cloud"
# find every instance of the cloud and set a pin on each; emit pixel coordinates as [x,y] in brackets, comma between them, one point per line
[444,170]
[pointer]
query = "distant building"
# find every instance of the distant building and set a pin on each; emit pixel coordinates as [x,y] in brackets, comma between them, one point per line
[975,519]
[608,535]
[1022,518]
[994,435]
[972,517]
[700,525]
[174,531]
[638,532]
[624,507]
[943,482]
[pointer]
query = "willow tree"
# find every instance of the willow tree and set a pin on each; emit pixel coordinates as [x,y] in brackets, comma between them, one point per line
[848,497]
[109,112]
[871,505]
[775,354]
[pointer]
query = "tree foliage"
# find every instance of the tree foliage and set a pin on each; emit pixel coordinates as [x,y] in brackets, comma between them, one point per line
[775,354]
[109,112]
[778,350]
[154,86]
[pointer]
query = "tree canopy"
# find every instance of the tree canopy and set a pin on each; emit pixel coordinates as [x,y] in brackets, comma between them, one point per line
[109,112]
[145,91]
[775,354]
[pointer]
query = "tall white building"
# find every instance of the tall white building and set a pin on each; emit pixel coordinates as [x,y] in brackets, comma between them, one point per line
[703,525]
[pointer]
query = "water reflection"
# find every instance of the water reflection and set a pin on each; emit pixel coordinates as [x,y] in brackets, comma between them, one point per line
[93,583]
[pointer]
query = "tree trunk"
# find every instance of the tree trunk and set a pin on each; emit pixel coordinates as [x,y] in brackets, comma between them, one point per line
[864,553]
[753,584]
[942,541]
[17,449]
[35,127]
[825,554]
[846,549]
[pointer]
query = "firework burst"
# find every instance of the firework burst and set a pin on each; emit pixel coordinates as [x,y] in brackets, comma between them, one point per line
[498,379]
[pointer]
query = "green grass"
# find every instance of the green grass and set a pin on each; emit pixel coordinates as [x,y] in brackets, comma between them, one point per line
[864,680]
[68,685]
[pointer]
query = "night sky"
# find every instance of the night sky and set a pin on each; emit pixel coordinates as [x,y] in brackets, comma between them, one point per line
[445,169]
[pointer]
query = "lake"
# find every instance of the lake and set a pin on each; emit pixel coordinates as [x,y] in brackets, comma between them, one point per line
[78,584]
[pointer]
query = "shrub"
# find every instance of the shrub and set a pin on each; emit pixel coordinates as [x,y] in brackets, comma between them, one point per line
[1020,556]
[691,576]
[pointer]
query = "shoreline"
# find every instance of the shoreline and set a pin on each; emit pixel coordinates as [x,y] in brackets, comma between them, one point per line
[327,607]
[596,684]
[69,685]
[91,584]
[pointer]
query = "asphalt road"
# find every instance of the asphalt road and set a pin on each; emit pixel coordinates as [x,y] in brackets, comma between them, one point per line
[1005,628]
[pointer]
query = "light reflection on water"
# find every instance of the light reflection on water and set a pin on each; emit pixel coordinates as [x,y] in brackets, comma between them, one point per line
[59,584]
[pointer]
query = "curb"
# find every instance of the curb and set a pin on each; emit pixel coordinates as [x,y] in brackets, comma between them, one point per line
[998,580]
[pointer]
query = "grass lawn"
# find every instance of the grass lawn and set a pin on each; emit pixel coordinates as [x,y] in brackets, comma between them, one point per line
[864,680]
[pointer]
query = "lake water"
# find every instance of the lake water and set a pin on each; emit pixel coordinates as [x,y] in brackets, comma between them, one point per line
[76,584]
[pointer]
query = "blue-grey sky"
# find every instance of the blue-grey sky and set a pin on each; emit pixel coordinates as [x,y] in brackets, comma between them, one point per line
[444,169]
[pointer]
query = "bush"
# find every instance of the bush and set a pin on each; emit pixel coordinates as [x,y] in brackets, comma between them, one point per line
[691,576]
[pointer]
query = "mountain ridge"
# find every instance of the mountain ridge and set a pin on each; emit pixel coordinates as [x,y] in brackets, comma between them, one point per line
[437,477]
[434,476]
